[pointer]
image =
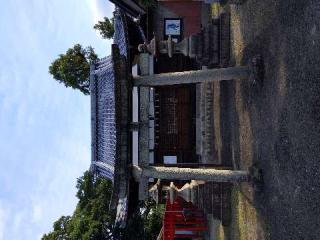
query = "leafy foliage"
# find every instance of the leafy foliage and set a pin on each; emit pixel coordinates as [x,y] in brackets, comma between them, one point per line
[105,28]
[144,224]
[153,221]
[73,68]
[93,220]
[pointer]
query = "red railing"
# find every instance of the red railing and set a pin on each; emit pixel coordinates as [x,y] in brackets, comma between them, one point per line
[183,220]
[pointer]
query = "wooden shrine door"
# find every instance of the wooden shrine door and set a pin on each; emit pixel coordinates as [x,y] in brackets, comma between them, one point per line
[175,124]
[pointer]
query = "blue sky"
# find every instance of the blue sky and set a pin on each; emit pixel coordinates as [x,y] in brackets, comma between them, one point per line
[44,127]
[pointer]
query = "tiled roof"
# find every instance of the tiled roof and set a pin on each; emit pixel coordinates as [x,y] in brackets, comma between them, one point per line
[103,105]
[109,118]
[103,111]
[120,33]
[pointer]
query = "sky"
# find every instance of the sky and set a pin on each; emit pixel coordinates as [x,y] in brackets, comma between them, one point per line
[44,127]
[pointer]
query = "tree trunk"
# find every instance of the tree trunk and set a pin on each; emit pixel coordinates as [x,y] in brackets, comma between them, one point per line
[175,173]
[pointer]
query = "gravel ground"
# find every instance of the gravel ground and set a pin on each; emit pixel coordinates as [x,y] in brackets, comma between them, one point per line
[277,125]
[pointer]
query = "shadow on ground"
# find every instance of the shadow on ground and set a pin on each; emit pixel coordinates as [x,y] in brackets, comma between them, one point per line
[276,126]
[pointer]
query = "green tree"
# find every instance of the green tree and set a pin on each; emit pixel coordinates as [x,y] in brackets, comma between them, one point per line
[73,68]
[105,28]
[145,223]
[60,229]
[92,218]
[153,221]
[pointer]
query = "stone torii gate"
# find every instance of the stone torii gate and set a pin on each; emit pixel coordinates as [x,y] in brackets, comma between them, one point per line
[252,72]
[189,77]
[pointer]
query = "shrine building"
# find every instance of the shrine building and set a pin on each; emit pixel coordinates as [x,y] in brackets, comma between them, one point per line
[148,109]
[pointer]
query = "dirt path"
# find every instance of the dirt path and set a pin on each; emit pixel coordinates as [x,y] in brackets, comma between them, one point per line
[277,126]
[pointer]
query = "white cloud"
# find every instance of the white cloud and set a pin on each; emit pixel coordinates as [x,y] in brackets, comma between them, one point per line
[2,223]
[37,213]
[45,128]
[19,218]
[100,9]
[95,11]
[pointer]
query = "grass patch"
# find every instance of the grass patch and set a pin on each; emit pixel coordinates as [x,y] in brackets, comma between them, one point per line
[245,223]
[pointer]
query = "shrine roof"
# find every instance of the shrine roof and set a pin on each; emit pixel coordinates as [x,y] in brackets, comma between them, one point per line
[110,113]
